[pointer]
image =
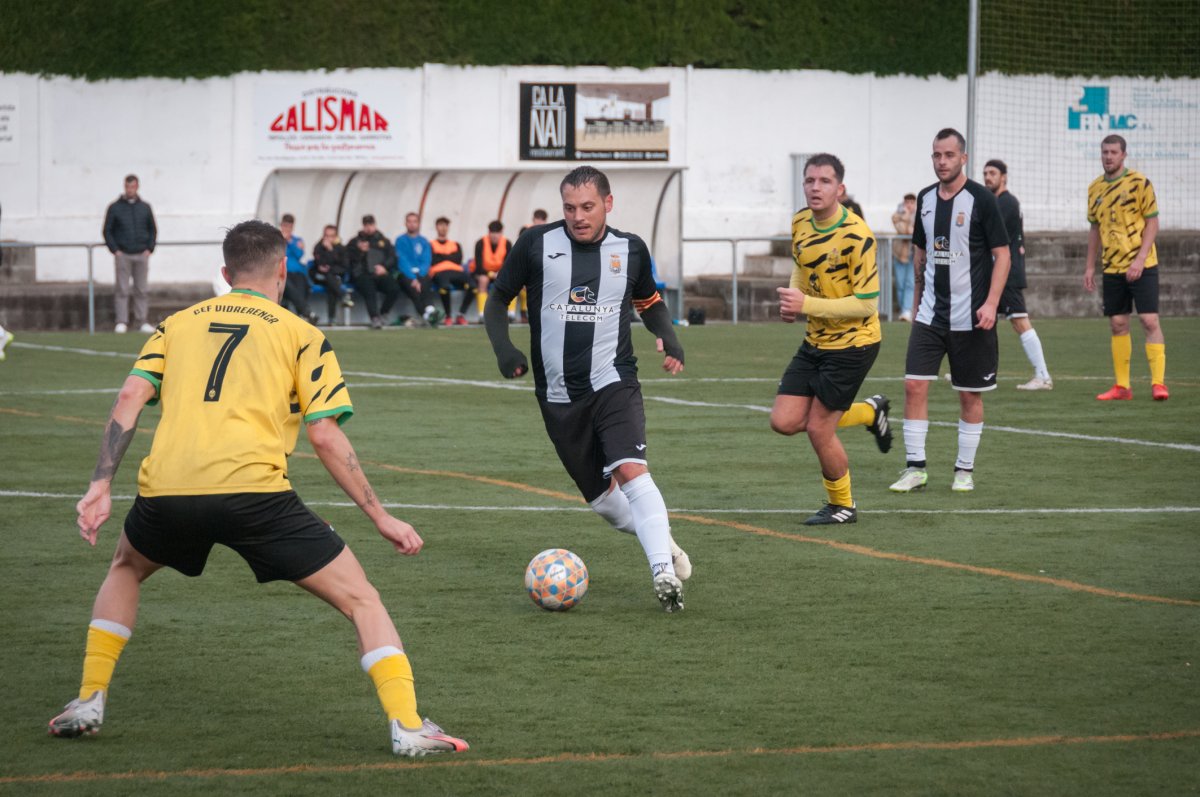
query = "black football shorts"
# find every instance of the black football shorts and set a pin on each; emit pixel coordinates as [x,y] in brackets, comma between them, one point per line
[278,536]
[974,356]
[595,434]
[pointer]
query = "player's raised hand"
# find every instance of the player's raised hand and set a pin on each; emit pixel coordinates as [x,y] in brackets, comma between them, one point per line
[672,365]
[94,509]
[401,535]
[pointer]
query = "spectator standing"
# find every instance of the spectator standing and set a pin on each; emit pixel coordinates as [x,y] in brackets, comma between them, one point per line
[296,289]
[372,260]
[490,251]
[328,269]
[902,255]
[130,234]
[446,272]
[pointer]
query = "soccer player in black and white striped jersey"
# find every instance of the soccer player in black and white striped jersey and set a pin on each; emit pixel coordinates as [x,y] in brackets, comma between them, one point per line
[583,280]
[960,266]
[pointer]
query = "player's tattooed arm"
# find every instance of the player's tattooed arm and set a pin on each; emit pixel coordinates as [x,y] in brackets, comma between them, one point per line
[112,449]
[121,426]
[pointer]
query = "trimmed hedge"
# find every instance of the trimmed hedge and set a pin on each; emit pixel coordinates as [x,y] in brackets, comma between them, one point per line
[99,39]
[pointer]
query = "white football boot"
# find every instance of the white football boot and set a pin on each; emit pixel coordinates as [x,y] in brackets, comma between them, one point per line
[426,740]
[669,591]
[964,481]
[1037,383]
[680,561]
[910,479]
[80,717]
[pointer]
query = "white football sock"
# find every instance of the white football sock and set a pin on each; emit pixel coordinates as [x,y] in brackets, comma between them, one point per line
[1033,350]
[613,506]
[914,439]
[650,519]
[968,444]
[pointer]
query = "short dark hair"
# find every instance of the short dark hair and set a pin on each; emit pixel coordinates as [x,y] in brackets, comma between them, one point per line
[495,226]
[442,220]
[1113,138]
[412,213]
[998,165]
[825,159]
[910,196]
[950,132]
[131,178]
[252,248]
[330,227]
[541,214]
[582,175]
[368,219]
[287,218]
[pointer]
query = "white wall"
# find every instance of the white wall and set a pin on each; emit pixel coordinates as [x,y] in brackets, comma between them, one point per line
[197,146]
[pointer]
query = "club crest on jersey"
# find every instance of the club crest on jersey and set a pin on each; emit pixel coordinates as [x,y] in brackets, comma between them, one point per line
[941,243]
[614,264]
[582,294]
[962,217]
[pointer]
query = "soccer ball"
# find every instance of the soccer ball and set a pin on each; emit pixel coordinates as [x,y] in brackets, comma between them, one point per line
[556,579]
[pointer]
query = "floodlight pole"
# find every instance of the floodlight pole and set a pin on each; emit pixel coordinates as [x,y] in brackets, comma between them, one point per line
[972,75]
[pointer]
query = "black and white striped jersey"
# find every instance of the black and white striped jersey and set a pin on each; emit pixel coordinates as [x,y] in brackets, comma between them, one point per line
[581,298]
[958,235]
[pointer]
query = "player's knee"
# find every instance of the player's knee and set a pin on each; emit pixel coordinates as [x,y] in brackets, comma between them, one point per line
[788,426]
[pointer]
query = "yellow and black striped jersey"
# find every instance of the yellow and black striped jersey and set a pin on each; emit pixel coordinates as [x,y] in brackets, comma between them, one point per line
[1121,207]
[235,375]
[835,262]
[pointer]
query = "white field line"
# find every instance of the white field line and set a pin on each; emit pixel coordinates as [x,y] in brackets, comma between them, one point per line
[722,511]
[411,381]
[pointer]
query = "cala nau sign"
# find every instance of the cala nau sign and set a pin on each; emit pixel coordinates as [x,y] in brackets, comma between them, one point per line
[326,124]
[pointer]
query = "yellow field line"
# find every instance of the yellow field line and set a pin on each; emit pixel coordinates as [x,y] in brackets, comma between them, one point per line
[599,758]
[859,550]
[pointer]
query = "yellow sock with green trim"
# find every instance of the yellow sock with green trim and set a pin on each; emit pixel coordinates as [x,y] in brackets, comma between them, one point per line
[105,641]
[839,490]
[860,414]
[1156,353]
[1122,351]
[392,674]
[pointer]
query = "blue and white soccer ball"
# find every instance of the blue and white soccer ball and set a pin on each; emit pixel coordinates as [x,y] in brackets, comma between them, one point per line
[556,579]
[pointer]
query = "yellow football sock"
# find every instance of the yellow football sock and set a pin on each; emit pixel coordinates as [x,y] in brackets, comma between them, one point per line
[394,683]
[1156,353]
[99,660]
[1122,350]
[480,301]
[839,490]
[860,414]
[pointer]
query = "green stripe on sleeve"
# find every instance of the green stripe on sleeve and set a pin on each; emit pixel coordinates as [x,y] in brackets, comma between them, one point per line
[343,414]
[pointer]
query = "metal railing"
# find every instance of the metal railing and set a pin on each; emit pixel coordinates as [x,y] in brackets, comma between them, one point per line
[883,262]
[91,275]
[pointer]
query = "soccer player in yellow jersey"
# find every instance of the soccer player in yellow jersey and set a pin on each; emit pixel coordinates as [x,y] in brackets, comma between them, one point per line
[1123,214]
[236,375]
[836,284]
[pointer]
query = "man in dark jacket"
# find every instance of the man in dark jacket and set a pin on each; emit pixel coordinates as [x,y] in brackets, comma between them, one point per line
[328,269]
[130,234]
[372,260]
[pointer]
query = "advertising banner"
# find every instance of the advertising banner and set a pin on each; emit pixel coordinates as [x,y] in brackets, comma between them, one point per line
[595,121]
